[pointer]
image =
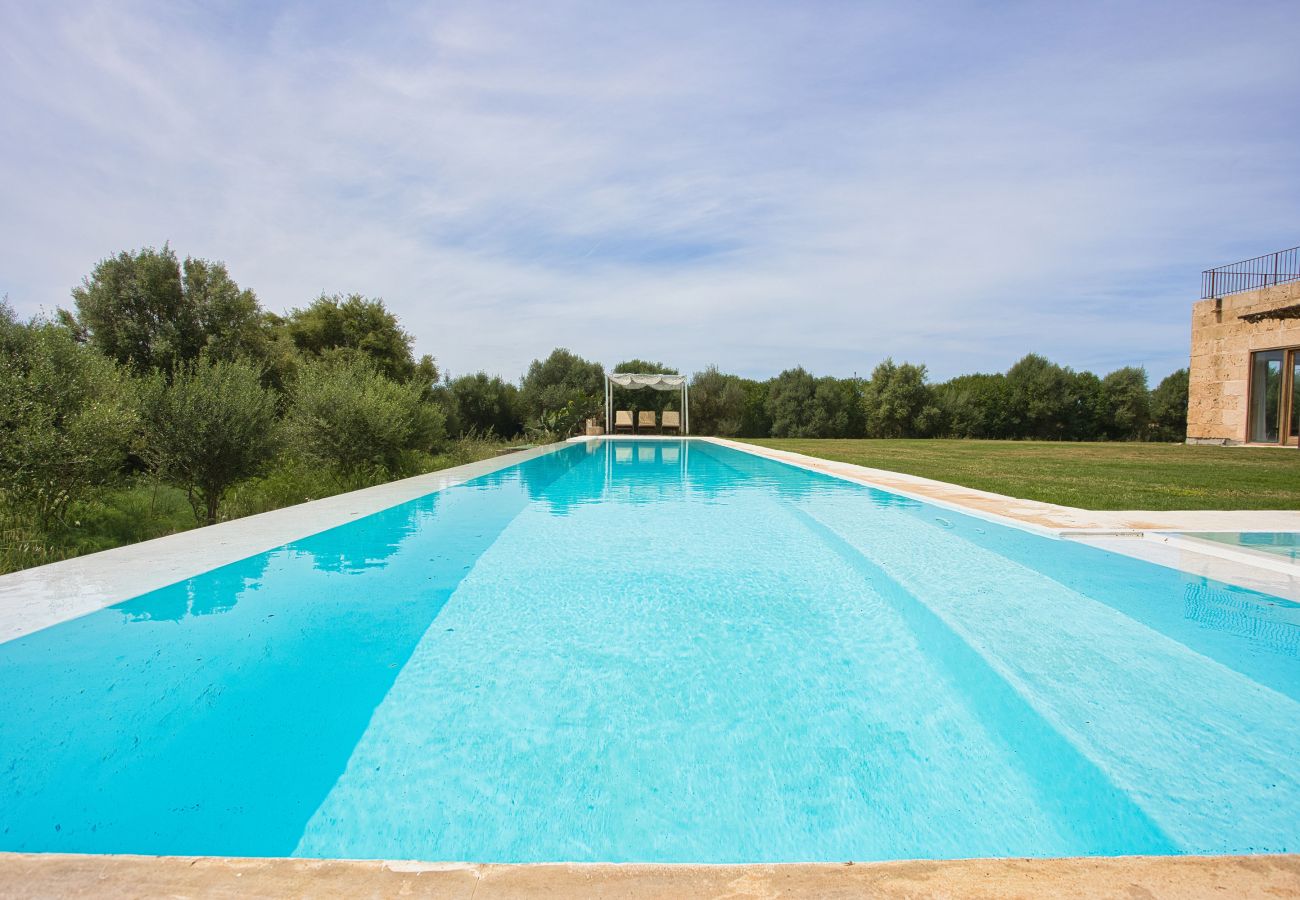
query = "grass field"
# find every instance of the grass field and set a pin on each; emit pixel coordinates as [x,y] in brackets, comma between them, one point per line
[1091,476]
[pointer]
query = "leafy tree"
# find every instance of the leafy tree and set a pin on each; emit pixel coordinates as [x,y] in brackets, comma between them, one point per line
[897,402]
[148,312]
[351,326]
[562,381]
[230,319]
[717,403]
[836,408]
[133,309]
[972,406]
[212,425]
[347,415]
[1087,410]
[1042,398]
[1169,408]
[756,420]
[1126,404]
[644,398]
[644,367]
[67,416]
[484,404]
[789,403]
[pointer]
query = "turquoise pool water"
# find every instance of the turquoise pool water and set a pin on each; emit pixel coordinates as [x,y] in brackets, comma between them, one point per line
[649,651]
[1285,544]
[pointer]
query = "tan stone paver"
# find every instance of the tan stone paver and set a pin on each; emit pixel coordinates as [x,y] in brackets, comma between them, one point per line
[24,876]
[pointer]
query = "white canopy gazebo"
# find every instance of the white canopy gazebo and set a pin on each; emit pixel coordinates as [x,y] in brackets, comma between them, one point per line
[661,381]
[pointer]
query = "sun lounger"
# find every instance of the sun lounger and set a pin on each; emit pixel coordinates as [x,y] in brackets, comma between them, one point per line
[645,419]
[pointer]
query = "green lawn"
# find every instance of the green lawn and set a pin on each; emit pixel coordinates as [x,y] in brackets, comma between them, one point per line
[1090,476]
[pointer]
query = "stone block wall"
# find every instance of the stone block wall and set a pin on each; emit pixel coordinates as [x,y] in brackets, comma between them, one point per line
[1221,348]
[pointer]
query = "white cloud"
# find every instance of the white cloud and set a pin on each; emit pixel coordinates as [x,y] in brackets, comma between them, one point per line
[753,185]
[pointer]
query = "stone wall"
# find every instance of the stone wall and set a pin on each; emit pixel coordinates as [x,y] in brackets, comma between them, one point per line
[1221,348]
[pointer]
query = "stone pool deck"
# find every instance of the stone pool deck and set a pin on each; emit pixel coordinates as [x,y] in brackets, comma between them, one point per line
[25,876]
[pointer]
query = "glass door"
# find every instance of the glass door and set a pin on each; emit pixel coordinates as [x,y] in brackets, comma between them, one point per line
[1293,431]
[1266,396]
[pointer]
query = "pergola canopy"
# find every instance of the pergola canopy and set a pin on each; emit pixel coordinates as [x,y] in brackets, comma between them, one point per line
[658,382]
[655,381]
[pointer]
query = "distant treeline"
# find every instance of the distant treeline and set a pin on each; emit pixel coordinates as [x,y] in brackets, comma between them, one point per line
[167,369]
[1034,399]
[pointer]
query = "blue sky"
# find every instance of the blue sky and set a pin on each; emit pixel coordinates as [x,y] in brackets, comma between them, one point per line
[756,185]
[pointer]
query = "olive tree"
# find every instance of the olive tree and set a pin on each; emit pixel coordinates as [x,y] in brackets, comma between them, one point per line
[355,326]
[485,404]
[717,403]
[562,389]
[149,312]
[347,415]
[67,417]
[790,401]
[897,402]
[209,426]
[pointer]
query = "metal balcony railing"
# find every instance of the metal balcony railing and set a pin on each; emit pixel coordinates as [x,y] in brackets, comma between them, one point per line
[1251,274]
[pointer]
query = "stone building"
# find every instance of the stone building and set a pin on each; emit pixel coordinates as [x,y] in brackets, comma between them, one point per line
[1245,374]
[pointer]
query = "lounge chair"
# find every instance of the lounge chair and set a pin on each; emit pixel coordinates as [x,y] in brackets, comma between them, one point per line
[671,419]
[623,421]
[645,419]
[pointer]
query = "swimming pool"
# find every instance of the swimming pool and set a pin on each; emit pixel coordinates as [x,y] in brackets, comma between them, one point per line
[1285,544]
[661,651]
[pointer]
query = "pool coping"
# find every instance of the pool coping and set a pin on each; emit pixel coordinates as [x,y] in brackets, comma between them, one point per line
[24,875]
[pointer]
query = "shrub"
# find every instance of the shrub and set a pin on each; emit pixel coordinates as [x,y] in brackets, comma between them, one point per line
[211,426]
[67,416]
[485,405]
[347,415]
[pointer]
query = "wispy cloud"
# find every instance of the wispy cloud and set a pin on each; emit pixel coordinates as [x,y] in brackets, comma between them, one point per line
[756,185]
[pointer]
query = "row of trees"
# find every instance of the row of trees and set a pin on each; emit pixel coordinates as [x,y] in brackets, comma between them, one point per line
[169,366]
[1035,398]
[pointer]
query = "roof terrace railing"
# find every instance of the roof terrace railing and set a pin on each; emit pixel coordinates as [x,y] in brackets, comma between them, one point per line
[1251,274]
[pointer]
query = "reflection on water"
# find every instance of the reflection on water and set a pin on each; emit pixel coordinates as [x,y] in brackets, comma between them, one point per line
[215,592]
[372,546]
